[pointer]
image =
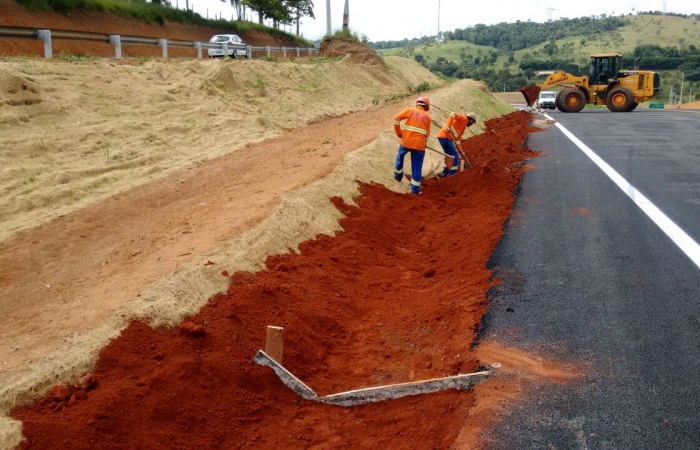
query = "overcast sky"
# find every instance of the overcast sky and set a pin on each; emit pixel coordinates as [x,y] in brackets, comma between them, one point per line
[383,20]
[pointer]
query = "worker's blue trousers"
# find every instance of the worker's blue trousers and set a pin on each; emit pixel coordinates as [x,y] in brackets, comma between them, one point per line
[417,157]
[449,147]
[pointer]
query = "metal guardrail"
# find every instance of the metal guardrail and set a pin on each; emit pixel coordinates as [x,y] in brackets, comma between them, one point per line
[117,40]
[19,33]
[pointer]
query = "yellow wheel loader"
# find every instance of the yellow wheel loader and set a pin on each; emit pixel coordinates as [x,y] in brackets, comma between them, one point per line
[619,90]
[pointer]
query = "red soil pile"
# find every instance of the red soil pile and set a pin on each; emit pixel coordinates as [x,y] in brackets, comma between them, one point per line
[531,92]
[397,296]
[690,105]
[336,47]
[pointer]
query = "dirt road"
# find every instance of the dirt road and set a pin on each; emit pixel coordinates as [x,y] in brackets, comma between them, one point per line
[79,262]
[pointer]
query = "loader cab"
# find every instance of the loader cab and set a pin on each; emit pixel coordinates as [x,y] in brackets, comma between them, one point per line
[604,68]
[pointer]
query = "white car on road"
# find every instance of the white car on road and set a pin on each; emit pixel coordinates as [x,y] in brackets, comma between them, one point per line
[235,47]
[547,100]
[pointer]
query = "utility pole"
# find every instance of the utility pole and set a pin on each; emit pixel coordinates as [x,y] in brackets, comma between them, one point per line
[346,17]
[438,34]
[680,98]
[328,17]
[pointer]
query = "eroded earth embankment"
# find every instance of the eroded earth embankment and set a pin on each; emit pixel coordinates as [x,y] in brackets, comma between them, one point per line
[397,295]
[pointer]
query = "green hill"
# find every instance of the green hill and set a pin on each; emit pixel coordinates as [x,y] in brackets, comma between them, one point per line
[667,43]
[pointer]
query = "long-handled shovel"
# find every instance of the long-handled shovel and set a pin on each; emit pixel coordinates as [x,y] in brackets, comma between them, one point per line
[443,154]
[464,157]
[438,151]
[461,163]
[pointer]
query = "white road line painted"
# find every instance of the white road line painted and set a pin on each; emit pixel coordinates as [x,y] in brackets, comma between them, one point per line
[673,231]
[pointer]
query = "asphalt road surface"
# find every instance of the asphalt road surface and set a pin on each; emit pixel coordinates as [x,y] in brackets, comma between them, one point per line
[608,281]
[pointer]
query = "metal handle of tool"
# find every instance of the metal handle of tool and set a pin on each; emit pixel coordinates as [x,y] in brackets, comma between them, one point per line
[438,151]
[462,159]
[461,153]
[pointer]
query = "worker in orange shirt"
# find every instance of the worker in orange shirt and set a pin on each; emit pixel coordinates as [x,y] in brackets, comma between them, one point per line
[413,133]
[452,133]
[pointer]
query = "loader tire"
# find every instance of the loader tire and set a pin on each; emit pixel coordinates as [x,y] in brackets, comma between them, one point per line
[571,100]
[557,101]
[634,106]
[620,99]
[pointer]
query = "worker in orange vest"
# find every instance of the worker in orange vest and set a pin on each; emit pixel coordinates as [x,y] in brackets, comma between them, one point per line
[451,133]
[413,133]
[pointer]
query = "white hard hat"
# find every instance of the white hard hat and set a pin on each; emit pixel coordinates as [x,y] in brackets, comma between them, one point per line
[472,116]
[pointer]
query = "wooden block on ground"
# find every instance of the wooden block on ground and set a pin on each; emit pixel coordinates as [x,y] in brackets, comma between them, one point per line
[274,344]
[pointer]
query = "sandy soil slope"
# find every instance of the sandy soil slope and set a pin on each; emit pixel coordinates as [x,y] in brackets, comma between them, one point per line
[182,130]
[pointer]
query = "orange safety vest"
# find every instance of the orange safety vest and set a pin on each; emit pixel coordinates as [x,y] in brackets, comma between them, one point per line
[415,130]
[454,128]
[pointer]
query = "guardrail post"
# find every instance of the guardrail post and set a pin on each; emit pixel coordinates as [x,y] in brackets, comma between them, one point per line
[117,41]
[249,52]
[198,46]
[164,43]
[45,35]
[267,50]
[298,52]
[224,47]
[284,52]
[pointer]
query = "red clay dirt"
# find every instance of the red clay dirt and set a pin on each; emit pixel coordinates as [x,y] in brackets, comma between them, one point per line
[531,92]
[15,15]
[397,296]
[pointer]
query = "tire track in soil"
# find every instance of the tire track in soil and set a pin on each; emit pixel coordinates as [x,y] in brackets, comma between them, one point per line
[397,296]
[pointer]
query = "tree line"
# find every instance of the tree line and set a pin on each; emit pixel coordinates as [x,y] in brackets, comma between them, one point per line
[518,35]
[521,35]
[279,12]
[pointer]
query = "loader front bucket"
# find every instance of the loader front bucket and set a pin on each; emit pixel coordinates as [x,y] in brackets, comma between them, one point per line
[531,92]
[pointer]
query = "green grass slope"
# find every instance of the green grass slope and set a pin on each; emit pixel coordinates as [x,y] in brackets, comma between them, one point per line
[642,30]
